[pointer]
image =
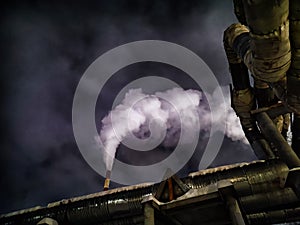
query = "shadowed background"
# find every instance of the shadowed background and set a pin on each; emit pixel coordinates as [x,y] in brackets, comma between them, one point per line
[46,47]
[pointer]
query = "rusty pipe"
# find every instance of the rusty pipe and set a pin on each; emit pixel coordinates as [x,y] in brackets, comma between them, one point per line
[107,180]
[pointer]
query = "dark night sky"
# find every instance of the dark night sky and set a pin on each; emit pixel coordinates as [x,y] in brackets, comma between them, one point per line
[45,49]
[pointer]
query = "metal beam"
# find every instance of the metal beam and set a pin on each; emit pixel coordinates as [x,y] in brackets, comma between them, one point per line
[228,194]
[272,134]
[235,211]
[149,214]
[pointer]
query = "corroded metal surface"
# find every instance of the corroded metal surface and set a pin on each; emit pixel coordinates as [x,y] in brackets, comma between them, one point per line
[125,202]
[276,216]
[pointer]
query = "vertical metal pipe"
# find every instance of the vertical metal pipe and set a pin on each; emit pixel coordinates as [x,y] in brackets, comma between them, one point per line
[296,134]
[272,134]
[149,214]
[293,75]
[170,188]
[235,211]
[227,193]
[107,180]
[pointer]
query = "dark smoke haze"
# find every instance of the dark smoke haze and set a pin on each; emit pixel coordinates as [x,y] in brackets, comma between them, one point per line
[47,46]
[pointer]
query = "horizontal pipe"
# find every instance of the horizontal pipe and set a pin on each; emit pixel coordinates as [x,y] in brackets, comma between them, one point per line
[247,178]
[276,216]
[263,201]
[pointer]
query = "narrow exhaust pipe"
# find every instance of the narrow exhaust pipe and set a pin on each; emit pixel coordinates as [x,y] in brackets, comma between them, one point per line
[107,180]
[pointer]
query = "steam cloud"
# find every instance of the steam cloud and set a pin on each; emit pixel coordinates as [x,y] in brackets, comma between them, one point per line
[164,111]
[52,45]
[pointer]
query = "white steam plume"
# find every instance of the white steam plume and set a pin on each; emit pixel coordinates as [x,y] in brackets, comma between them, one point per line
[139,111]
